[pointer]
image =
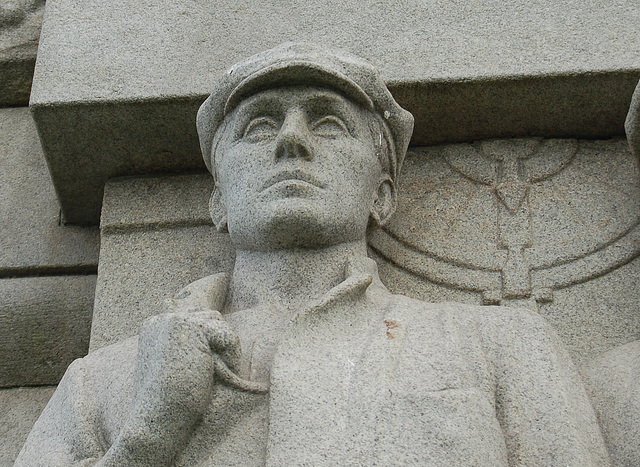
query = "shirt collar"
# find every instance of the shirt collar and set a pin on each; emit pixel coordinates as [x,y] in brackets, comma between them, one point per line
[361,274]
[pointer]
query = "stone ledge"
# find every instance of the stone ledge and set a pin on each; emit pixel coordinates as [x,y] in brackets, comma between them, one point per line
[177,200]
[130,108]
[158,135]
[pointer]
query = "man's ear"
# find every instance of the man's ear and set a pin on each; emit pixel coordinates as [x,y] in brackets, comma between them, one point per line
[218,211]
[384,205]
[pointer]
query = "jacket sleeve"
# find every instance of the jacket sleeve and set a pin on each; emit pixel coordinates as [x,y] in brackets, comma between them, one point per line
[541,403]
[66,433]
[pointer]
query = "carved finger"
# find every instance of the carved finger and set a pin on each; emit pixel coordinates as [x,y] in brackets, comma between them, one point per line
[230,378]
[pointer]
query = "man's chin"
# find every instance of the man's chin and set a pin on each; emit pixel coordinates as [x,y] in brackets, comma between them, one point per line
[288,225]
[298,226]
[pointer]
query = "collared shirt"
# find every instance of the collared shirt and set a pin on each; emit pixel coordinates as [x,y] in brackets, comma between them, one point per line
[361,377]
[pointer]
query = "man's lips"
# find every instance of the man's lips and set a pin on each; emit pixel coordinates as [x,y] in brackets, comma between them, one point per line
[293,175]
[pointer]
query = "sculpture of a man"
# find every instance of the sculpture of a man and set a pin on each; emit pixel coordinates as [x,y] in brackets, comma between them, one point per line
[303,357]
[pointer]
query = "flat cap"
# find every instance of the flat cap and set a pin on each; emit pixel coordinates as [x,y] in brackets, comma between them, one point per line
[302,63]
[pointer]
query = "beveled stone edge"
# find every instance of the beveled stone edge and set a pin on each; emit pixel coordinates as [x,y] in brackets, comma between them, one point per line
[589,105]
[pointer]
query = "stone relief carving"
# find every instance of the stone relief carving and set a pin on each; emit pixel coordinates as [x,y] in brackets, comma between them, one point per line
[14,12]
[515,219]
[302,356]
[612,378]
[20,23]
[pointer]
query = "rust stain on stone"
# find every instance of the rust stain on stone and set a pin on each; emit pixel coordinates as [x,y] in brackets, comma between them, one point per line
[391,324]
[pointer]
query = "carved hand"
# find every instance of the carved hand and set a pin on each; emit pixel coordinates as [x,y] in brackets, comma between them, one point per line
[174,380]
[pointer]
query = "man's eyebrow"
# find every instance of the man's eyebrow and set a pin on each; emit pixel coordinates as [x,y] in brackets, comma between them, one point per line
[329,99]
[329,102]
[259,103]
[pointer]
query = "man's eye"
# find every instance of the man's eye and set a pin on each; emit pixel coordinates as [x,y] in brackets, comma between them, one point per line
[330,127]
[261,129]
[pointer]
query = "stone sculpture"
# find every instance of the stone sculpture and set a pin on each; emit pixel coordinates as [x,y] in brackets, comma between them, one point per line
[632,123]
[302,357]
[612,378]
[14,12]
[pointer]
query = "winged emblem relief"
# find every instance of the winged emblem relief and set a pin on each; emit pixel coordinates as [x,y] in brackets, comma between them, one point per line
[514,219]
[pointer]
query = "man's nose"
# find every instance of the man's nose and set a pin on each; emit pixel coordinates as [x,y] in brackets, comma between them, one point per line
[294,138]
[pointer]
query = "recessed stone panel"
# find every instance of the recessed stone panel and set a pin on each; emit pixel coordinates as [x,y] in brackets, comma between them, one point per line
[33,239]
[547,224]
[44,326]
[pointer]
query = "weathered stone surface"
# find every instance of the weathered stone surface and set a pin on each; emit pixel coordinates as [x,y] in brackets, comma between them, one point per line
[468,73]
[613,382]
[155,202]
[19,409]
[20,23]
[632,124]
[32,239]
[398,379]
[44,325]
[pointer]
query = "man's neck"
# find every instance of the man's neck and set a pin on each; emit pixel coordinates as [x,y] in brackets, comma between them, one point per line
[286,280]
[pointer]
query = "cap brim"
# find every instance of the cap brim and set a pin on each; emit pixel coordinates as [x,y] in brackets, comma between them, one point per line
[292,73]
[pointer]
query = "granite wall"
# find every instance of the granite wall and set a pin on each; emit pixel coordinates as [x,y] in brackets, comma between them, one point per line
[47,270]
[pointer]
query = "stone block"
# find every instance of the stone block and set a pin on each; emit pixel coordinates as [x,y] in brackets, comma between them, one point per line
[19,410]
[20,23]
[44,325]
[157,237]
[178,200]
[120,94]
[32,239]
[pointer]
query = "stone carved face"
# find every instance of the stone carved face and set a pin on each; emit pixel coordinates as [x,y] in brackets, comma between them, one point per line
[299,167]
